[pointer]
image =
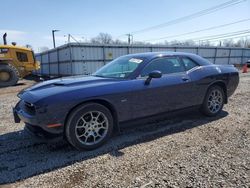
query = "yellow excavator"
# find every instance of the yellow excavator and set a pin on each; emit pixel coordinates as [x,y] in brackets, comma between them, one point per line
[15,63]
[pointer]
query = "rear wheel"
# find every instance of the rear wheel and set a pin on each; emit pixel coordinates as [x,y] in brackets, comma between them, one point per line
[214,101]
[8,75]
[89,126]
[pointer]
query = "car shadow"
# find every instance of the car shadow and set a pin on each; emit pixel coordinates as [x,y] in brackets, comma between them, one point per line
[20,84]
[22,157]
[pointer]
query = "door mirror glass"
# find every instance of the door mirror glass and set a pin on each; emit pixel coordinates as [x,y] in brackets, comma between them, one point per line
[153,74]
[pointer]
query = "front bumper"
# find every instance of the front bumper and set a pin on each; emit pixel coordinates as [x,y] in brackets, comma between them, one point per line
[40,134]
[37,123]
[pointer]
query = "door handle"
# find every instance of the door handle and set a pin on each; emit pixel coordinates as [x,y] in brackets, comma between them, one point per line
[185,79]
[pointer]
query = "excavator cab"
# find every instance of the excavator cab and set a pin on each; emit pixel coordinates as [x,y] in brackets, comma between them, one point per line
[15,63]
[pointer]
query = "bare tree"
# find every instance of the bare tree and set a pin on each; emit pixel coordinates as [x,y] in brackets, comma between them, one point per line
[140,43]
[247,43]
[95,41]
[239,43]
[189,43]
[117,41]
[105,38]
[166,42]
[175,43]
[228,43]
[102,38]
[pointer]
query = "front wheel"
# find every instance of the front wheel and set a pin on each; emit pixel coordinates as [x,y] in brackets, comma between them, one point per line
[89,126]
[8,75]
[214,101]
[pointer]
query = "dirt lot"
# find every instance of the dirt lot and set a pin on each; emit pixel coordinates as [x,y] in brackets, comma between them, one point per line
[182,151]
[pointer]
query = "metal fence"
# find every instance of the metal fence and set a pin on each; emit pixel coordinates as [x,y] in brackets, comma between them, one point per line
[75,59]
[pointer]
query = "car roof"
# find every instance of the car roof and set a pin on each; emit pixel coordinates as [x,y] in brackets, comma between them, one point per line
[151,55]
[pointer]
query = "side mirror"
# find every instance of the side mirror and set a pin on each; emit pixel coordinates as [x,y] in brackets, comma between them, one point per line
[153,74]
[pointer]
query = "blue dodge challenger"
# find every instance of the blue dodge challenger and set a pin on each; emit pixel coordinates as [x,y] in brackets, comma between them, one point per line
[86,109]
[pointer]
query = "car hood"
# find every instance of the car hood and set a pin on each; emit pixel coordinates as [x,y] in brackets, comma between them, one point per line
[62,86]
[72,81]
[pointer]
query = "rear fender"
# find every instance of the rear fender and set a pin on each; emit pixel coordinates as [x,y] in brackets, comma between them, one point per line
[222,85]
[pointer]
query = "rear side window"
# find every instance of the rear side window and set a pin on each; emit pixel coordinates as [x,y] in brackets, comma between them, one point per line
[188,63]
[22,57]
[165,65]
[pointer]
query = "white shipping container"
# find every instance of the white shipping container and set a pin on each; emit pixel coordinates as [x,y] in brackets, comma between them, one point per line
[223,52]
[206,52]
[79,68]
[235,53]
[87,53]
[211,60]
[65,68]
[45,58]
[188,50]
[64,54]
[221,61]
[91,67]
[53,56]
[246,53]
[134,50]
[38,58]
[87,58]
[245,59]
[112,53]
[154,49]
[235,61]
[53,69]
[45,69]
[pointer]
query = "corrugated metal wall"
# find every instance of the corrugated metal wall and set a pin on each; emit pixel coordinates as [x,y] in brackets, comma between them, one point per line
[75,59]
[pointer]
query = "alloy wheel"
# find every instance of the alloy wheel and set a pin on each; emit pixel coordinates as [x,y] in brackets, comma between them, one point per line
[92,127]
[215,101]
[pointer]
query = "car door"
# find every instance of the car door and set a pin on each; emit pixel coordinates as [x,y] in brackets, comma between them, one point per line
[170,92]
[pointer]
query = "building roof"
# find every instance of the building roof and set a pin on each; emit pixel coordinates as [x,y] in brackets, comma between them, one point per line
[15,47]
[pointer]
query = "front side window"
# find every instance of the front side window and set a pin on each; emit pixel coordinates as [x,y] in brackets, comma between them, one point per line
[165,65]
[4,50]
[188,63]
[119,68]
[22,57]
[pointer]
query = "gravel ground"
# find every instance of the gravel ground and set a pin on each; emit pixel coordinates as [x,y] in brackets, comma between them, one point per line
[182,151]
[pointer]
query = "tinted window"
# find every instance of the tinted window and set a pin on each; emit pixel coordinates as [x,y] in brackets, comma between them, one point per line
[188,63]
[22,57]
[165,65]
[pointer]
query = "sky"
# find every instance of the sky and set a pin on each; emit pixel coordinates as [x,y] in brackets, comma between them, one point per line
[31,21]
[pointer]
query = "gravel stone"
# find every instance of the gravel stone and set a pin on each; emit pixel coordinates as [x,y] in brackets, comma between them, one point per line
[186,150]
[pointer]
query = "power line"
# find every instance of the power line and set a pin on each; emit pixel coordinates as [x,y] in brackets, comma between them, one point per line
[191,16]
[197,31]
[221,36]
[226,38]
[236,33]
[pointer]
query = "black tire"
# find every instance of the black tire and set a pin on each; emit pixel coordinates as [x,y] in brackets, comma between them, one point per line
[13,76]
[212,106]
[79,122]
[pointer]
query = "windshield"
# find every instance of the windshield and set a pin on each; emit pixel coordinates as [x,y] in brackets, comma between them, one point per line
[121,67]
